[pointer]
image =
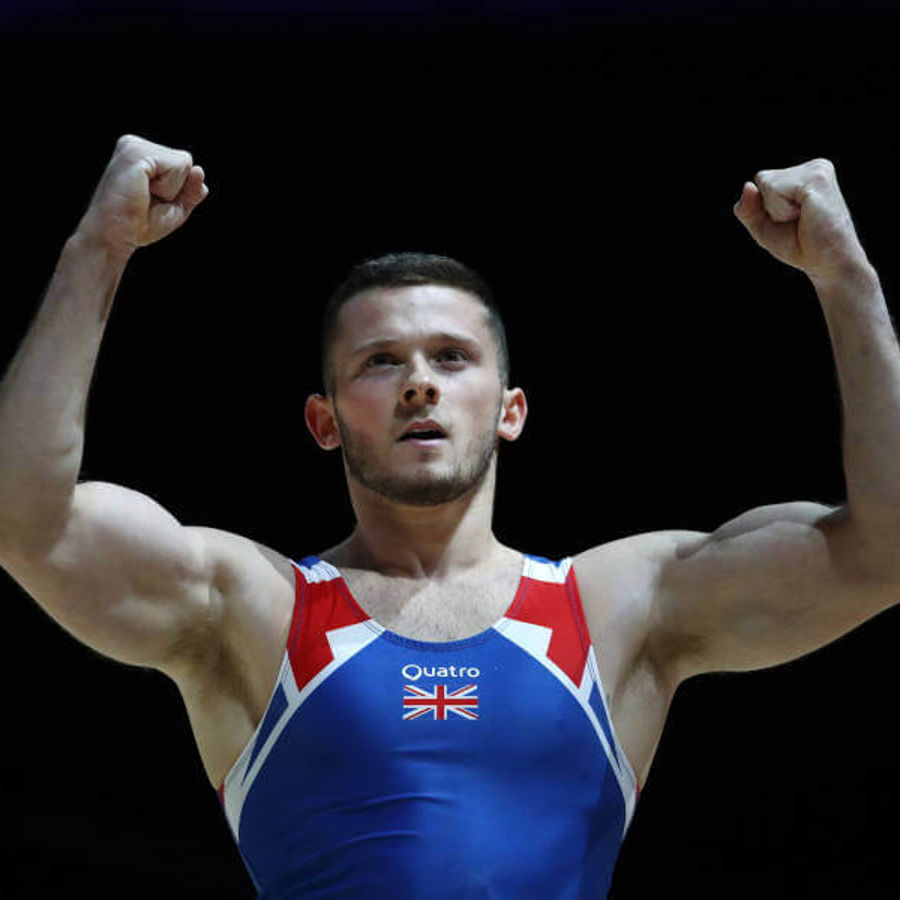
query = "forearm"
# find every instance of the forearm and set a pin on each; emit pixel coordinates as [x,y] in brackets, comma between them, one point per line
[867,358]
[43,395]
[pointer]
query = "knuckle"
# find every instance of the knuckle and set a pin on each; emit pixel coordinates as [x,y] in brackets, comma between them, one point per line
[128,141]
[129,147]
[821,172]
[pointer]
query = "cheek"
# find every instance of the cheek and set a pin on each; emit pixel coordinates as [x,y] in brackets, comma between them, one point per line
[368,404]
[481,400]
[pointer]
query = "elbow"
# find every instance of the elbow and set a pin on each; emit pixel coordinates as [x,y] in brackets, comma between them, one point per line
[866,546]
[35,530]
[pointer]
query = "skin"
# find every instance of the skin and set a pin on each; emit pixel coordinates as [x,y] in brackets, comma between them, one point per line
[405,355]
[406,383]
[212,609]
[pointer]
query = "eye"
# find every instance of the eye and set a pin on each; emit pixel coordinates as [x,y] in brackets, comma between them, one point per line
[452,356]
[378,360]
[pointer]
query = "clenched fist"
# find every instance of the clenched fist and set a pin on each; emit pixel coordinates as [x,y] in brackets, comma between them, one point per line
[799,215]
[146,192]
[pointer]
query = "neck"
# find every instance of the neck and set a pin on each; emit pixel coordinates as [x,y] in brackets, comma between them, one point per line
[420,541]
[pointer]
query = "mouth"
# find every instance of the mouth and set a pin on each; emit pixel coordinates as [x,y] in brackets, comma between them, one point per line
[423,431]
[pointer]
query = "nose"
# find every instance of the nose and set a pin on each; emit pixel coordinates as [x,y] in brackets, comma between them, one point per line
[419,387]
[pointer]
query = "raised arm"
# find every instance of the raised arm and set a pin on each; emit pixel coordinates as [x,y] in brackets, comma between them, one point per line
[107,563]
[782,580]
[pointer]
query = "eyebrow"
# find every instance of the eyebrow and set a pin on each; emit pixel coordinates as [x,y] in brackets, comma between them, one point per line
[444,337]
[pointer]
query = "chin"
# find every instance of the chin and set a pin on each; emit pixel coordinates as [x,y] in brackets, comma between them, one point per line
[426,492]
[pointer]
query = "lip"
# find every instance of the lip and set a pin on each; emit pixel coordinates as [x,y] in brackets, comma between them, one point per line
[423,425]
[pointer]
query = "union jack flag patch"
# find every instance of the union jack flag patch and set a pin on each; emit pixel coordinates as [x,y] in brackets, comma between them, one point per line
[463,702]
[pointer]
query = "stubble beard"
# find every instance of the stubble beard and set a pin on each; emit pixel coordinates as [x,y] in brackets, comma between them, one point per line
[423,488]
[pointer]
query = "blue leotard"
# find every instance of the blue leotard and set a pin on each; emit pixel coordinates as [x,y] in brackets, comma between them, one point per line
[389,767]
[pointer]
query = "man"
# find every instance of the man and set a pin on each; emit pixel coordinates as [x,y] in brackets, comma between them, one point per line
[420,710]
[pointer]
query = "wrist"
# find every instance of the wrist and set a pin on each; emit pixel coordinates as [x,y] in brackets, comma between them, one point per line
[856,277]
[85,244]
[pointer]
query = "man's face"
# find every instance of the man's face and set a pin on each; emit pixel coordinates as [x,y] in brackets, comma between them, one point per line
[418,403]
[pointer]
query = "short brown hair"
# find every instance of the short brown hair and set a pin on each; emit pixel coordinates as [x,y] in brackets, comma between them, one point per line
[403,269]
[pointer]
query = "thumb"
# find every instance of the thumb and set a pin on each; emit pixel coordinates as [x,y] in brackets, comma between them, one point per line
[749,204]
[751,210]
[779,238]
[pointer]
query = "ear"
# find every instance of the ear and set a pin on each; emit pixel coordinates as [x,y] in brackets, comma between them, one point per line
[513,414]
[322,422]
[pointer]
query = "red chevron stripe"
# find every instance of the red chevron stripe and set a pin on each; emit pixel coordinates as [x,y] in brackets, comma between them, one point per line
[318,607]
[558,607]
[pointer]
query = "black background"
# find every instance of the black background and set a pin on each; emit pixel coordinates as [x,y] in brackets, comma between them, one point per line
[585,159]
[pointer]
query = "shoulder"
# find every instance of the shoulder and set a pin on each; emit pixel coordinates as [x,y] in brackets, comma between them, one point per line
[618,584]
[752,593]
[254,587]
[231,667]
[637,562]
[625,568]
[236,560]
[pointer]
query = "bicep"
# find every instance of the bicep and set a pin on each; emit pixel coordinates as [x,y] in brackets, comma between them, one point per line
[771,585]
[124,577]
